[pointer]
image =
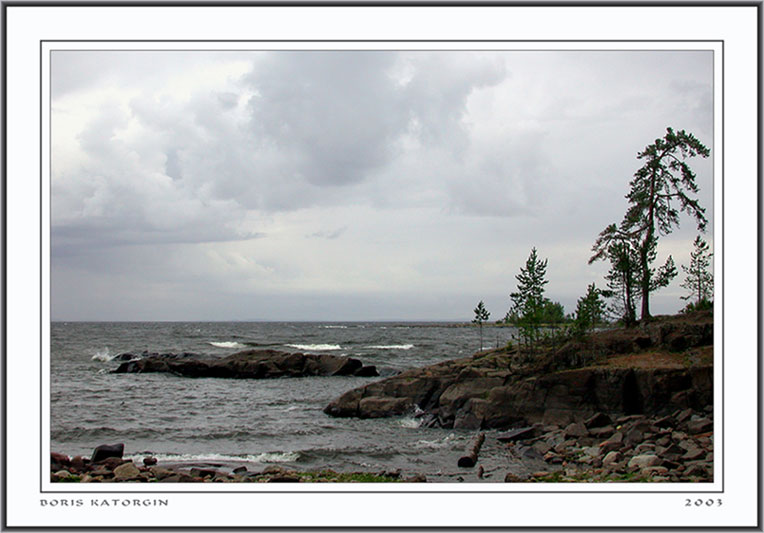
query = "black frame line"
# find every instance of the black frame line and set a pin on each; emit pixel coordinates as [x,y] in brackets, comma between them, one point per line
[610,492]
[446,3]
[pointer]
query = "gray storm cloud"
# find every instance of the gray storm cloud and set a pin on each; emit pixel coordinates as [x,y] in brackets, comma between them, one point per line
[223,175]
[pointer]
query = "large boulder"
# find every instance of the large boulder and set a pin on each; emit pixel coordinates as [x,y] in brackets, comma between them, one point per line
[104,451]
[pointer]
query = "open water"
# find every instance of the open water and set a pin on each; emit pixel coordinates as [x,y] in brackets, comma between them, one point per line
[255,422]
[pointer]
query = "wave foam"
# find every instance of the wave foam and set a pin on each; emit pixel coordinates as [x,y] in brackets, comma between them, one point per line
[316,347]
[102,355]
[267,457]
[334,327]
[227,344]
[391,347]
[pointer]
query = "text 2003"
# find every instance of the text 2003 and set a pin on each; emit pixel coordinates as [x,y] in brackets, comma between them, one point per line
[703,503]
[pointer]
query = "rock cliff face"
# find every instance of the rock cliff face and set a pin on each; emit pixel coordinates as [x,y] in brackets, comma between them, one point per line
[660,368]
[251,364]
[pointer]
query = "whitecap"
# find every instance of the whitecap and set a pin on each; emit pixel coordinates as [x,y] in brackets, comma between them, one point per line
[316,347]
[102,355]
[391,347]
[227,344]
[334,327]
[266,457]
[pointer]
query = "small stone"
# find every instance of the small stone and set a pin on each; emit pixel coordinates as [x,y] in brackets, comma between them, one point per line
[542,447]
[598,420]
[512,478]
[126,471]
[644,448]
[644,461]
[416,478]
[694,454]
[576,429]
[593,451]
[149,461]
[633,437]
[554,458]
[613,443]
[59,459]
[653,471]
[243,469]
[665,422]
[696,471]
[203,472]
[612,458]
[699,426]
[683,415]
[564,446]
[602,432]
[160,472]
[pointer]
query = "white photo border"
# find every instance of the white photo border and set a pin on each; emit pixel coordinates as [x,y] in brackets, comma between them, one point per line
[27,198]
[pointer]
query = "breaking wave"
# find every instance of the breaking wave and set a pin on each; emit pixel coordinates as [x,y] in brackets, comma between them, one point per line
[316,347]
[227,344]
[102,355]
[391,347]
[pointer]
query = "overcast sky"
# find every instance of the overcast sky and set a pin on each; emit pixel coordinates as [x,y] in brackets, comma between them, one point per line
[375,185]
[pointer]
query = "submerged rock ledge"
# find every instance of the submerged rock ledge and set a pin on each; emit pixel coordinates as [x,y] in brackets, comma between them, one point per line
[656,369]
[250,364]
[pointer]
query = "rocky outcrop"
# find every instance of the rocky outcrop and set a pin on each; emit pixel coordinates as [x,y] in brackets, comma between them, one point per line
[493,390]
[251,364]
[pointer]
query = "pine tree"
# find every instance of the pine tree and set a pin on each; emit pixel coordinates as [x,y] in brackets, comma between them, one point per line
[481,315]
[664,181]
[699,280]
[528,302]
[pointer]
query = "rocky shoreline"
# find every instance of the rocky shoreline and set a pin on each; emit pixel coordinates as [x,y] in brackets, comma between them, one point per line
[107,465]
[675,448]
[672,448]
[656,369]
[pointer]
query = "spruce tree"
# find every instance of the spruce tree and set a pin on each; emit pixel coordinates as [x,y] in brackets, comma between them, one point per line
[528,301]
[699,280]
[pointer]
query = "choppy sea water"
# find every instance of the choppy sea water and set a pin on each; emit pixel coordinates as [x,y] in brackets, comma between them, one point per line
[256,422]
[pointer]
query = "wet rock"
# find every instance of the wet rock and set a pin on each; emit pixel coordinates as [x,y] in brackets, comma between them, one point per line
[149,461]
[612,458]
[701,425]
[516,434]
[80,463]
[105,451]
[203,472]
[416,478]
[613,443]
[633,437]
[240,470]
[602,432]
[576,429]
[644,461]
[598,420]
[377,407]
[694,454]
[126,472]
[696,471]
[59,459]
[513,478]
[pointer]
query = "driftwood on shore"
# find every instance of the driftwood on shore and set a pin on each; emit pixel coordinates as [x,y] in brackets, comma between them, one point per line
[471,453]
